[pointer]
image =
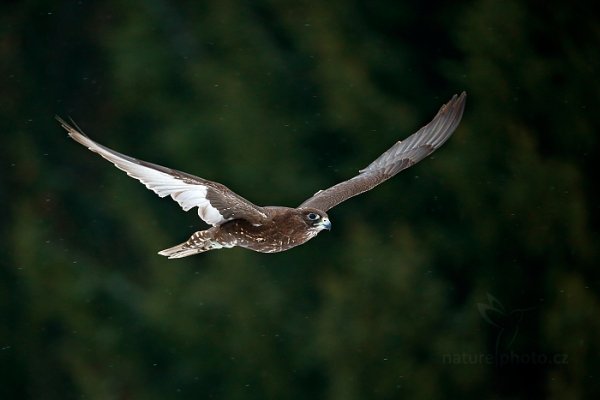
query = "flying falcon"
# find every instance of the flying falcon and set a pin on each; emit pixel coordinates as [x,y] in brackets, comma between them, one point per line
[237,222]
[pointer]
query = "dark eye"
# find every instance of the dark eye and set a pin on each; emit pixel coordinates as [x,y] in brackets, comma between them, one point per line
[313,216]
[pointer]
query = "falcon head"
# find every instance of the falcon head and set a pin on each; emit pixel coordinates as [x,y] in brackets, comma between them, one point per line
[316,219]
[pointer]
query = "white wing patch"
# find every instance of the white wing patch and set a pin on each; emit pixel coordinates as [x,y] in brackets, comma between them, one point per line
[209,214]
[188,195]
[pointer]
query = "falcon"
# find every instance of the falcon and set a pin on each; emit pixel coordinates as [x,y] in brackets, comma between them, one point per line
[238,222]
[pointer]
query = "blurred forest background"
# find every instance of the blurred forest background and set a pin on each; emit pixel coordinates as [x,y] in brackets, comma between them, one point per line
[471,275]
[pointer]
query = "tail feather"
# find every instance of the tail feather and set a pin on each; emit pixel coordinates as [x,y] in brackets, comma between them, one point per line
[199,242]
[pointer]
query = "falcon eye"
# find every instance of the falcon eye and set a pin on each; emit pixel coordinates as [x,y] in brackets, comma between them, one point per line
[313,216]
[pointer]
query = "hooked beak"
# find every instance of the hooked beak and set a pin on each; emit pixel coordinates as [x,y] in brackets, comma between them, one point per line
[325,223]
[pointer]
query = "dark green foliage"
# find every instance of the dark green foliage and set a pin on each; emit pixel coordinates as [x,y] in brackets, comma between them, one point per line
[471,275]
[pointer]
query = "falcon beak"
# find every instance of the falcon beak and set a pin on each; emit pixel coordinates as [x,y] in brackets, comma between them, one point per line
[325,223]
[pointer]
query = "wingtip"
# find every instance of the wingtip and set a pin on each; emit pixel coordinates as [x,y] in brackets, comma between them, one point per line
[463,97]
[457,102]
[460,95]
[61,121]
[459,98]
[73,130]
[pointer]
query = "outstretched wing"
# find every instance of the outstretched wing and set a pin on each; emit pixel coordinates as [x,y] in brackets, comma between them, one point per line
[400,156]
[216,203]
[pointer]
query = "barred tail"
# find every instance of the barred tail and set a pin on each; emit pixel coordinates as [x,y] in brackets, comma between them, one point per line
[199,242]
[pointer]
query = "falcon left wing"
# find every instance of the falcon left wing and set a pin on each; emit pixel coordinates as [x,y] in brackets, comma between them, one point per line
[399,157]
[216,203]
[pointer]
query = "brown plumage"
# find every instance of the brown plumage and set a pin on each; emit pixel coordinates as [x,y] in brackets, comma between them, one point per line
[237,222]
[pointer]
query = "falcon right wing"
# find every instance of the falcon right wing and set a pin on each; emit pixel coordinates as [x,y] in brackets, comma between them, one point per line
[216,203]
[400,156]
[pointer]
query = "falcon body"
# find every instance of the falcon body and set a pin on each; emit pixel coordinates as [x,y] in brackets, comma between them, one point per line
[285,228]
[238,222]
